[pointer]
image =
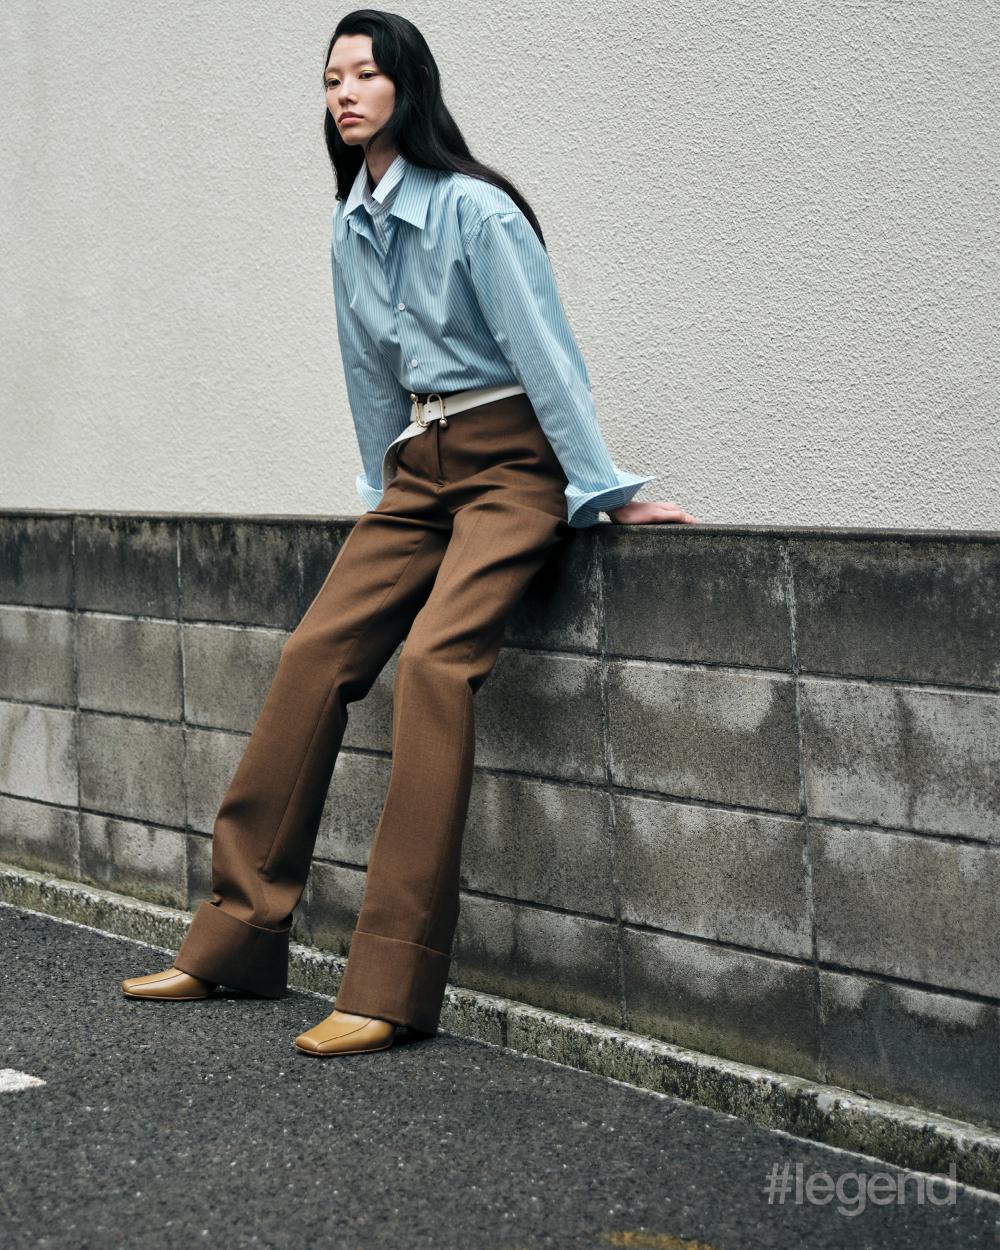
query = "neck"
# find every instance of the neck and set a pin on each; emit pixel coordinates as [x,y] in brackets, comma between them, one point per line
[378,162]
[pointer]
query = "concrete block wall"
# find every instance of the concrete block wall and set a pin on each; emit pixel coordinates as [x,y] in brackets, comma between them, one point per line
[737,789]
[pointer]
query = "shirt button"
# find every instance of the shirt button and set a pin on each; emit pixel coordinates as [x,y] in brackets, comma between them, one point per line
[413,362]
[400,307]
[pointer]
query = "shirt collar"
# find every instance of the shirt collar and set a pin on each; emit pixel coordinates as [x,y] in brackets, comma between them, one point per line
[379,200]
[408,185]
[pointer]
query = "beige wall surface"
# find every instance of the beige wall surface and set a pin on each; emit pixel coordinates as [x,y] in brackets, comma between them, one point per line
[775,229]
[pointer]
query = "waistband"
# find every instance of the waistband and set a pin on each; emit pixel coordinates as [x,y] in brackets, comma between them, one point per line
[433,406]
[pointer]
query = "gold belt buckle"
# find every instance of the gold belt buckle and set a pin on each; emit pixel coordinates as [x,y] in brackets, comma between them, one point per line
[419,420]
[414,399]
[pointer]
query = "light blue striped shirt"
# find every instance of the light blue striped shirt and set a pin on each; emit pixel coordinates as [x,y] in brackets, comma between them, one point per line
[442,285]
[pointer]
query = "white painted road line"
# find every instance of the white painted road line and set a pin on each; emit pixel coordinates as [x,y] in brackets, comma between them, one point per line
[11,1079]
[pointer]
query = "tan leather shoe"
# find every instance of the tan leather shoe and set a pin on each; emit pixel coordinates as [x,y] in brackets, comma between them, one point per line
[171,983]
[343,1033]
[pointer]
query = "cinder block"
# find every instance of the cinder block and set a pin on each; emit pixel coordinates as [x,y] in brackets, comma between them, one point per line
[727,875]
[555,730]
[36,655]
[713,734]
[561,609]
[353,807]
[697,597]
[909,907]
[539,842]
[132,768]
[129,666]
[40,837]
[210,763]
[318,543]
[38,753]
[550,959]
[199,869]
[300,930]
[369,720]
[909,1045]
[136,859]
[228,673]
[335,895]
[895,755]
[127,564]
[36,559]
[753,1008]
[541,713]
[918,609]
[241,571]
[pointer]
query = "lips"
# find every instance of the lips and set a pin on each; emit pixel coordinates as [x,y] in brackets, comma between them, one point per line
[346,117]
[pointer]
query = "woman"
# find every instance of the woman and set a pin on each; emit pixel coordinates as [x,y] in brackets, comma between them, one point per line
[481,455]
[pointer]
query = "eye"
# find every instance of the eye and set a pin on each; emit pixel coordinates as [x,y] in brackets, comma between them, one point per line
[368,73]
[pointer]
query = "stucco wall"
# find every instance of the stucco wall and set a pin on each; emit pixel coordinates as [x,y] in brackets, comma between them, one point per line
[774,228]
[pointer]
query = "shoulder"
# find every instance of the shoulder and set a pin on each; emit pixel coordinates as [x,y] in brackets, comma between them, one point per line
[470,201]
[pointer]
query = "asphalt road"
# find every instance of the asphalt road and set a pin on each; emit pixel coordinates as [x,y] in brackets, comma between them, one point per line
[187,1124]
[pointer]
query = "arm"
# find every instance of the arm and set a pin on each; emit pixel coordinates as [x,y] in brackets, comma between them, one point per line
[380,406]
[516,289]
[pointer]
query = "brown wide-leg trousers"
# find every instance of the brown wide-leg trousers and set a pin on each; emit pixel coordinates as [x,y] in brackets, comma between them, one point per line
[471,514]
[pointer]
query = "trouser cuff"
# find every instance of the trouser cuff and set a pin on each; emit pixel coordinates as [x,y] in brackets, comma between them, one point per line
[394,980]
[220,948]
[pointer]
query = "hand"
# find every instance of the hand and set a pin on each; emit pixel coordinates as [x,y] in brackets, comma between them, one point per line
[638,512]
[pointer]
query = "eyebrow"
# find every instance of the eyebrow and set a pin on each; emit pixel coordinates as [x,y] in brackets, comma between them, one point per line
[365,60]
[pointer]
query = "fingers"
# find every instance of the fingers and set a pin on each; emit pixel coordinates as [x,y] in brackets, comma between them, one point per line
[671,511]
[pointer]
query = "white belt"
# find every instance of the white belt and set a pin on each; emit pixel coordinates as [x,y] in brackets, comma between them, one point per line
[438,408]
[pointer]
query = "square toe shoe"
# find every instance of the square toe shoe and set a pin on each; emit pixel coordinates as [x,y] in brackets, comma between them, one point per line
[343,1033]
[169,984]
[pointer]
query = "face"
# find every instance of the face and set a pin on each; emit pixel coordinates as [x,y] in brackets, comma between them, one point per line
[355,85]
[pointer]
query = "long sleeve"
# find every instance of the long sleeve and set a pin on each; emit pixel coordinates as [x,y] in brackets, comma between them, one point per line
[515,285]
[380,406]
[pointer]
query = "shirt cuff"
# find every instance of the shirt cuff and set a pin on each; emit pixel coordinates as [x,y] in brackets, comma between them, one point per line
[368,494]
[584,508]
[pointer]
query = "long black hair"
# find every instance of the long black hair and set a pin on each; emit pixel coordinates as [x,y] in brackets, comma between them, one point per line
[421,128]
